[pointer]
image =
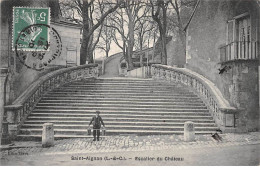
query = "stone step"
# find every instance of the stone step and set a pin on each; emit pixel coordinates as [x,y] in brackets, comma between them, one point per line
[130,85]
[116,102]
[94,108]
[120,96]
[54,110]
[201,122]
[134,84]
[121,127]
[124,118]
[119,90]
[123,92]
[39,123]
[172,115]
[121,87]
[120,79]
[118,112]
[117,131]
[72,104]
[144,82]
[115,126]
[148,82]
[116,85]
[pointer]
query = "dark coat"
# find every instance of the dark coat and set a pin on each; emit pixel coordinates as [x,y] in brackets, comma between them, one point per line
[97,121]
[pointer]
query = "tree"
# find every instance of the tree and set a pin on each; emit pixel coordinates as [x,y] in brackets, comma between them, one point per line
[125,22]
[71,10]
[91,14]
[143,31]
[144,26]
[118,24]
[106,36]
[182,10]
[171,20]
[159,15]
[89,26]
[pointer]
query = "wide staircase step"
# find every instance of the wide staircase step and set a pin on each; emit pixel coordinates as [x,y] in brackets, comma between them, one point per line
[127,106]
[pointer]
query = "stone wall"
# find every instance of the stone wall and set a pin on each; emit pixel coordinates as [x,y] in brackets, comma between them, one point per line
[205,34]
[239,83]
[175,54]
[19,76]
[5,35]
[240,87]
[70,37]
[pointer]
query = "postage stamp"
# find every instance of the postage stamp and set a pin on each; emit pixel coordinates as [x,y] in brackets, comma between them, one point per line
[34,58]
[35,42]
[27,16]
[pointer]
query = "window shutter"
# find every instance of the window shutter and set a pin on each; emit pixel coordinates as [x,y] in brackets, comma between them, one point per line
[230,48]
[230,31]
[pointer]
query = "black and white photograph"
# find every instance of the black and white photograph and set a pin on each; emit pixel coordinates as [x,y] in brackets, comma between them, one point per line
[129,83]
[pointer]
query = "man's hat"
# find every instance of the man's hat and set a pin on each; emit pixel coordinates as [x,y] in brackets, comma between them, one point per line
[98,112]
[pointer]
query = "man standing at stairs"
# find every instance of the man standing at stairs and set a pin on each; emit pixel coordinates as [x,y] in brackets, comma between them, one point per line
[97,120]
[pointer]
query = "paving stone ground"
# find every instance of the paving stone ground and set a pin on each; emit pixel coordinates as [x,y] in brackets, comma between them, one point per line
[128,143]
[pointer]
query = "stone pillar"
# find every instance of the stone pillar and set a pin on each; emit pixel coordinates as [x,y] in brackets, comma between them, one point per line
[189,132]
[13,119]
[3,75]
[47,135]
[103,66]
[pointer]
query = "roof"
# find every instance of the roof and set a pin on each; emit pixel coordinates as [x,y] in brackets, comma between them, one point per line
[63,21]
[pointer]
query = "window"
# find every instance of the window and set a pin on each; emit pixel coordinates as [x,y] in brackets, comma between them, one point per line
[239,44]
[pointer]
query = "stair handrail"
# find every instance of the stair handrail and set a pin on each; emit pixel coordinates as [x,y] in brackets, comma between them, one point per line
[21,107]
[223,113]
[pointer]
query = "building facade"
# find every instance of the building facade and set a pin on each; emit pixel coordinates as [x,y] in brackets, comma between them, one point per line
[15,76]
[222,44]
[70,34]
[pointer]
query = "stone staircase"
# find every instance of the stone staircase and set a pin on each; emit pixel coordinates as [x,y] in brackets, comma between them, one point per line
[127,106]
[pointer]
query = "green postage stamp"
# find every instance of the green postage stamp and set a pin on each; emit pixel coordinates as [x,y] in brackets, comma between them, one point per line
[27,34]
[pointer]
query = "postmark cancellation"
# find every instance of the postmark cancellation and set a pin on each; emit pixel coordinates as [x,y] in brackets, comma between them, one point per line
[35,42]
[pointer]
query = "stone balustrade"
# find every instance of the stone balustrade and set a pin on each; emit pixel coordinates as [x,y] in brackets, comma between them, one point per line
[224,115]
[18,111]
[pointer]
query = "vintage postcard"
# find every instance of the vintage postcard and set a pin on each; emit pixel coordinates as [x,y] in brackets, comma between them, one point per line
[130,83]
